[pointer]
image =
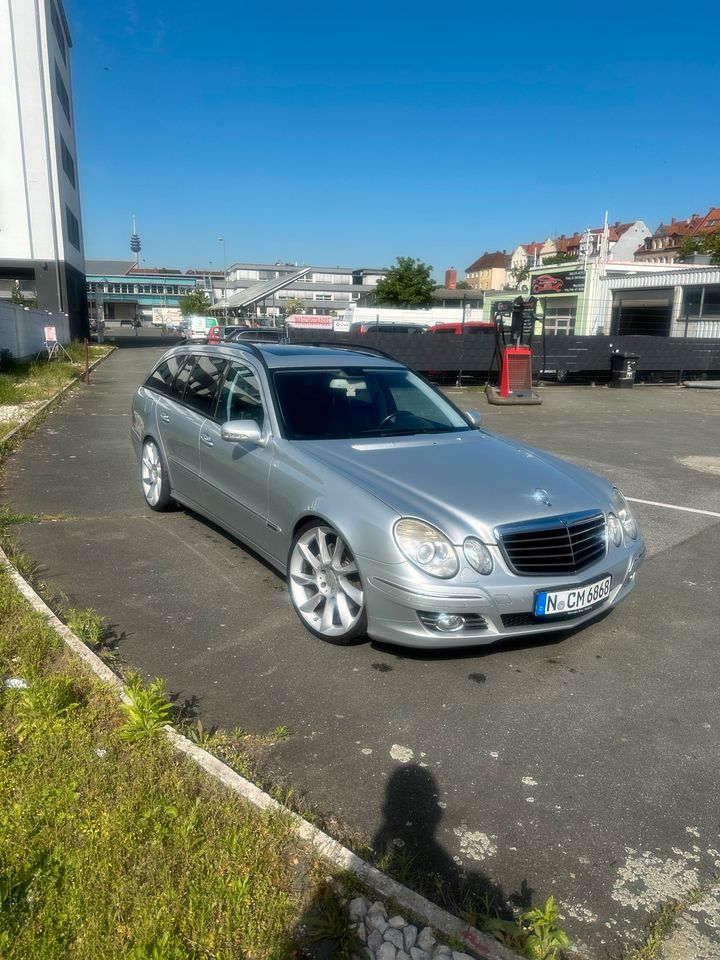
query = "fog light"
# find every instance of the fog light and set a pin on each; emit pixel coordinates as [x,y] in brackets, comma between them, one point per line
[449,622]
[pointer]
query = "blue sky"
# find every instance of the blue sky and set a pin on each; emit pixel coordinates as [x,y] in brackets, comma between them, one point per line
[333,134]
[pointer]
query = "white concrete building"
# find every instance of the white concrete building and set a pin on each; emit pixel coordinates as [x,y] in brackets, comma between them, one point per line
[41,243]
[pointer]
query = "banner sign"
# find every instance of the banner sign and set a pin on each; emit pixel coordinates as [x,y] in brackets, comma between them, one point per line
[546,283]
[310,321]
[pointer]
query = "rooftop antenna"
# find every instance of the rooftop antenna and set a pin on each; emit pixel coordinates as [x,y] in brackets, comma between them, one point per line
[135,244]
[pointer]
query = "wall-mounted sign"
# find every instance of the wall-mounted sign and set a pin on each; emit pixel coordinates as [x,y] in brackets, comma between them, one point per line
[546,283]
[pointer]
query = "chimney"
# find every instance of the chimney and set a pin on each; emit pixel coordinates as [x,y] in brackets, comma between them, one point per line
[450,278]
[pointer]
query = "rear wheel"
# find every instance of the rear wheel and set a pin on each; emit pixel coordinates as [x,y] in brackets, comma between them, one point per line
[325,586]
[154,477]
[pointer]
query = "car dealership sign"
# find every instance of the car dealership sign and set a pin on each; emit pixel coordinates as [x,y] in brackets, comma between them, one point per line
[545,283]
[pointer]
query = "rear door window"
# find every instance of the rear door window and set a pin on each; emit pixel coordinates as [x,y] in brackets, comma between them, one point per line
[202,385]
[162,377]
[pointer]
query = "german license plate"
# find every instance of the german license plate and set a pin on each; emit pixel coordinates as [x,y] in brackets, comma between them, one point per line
[553,602]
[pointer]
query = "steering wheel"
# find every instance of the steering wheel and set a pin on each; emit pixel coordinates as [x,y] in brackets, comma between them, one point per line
[392,418]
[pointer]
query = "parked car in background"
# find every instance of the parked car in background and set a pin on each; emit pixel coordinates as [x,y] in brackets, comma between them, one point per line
[259,334]
[389,511]
[470,326]
[389,327]
[221,333]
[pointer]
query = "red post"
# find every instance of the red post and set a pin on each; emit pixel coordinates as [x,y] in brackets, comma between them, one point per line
[86,373]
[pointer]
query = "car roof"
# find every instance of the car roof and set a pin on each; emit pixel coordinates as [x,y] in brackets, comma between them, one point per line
[296,355]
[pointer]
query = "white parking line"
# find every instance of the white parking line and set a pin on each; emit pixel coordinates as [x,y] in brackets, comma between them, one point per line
[674,506]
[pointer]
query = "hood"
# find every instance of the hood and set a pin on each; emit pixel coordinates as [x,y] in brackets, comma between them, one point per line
[463,482]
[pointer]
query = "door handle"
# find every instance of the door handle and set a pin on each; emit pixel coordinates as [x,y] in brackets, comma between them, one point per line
[164,417]
[206,439]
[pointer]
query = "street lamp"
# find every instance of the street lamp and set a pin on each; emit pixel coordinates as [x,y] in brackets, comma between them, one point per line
[222,241]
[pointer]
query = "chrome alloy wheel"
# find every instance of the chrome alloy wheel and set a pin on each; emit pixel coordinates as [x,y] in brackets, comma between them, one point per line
[151,473]
[325,585]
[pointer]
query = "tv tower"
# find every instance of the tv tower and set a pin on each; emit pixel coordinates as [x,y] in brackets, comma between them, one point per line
[135,244]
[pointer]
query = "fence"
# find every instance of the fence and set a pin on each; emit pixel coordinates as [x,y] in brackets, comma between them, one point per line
[22,331]
[661,358]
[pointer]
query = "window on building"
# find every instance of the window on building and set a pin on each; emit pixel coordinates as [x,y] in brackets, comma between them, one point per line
[560,319]
[59,32]
[62,93]
[73,228]
[323,296]
[68,163]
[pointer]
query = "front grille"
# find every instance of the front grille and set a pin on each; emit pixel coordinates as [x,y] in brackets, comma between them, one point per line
[558,546]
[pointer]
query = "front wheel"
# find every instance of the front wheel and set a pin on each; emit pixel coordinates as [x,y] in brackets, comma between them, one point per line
[154,477]
[325,586]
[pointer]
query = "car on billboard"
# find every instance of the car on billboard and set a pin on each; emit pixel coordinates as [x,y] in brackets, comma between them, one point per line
[547,283]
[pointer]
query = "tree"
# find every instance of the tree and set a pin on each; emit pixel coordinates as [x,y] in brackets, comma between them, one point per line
[709,243]
[462,285]
[558,258]
[517,277]
[194,303]
[294,305]
[406,285]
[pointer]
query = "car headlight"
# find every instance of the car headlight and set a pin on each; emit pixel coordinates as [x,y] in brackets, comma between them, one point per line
[478,556]
[624,515]
[614,530]
[426,548]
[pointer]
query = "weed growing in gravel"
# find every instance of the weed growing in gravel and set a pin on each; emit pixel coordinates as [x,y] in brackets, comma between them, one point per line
[87,625]
[148,711]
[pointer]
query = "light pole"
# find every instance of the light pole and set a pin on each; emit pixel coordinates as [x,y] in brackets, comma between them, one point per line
[222,241]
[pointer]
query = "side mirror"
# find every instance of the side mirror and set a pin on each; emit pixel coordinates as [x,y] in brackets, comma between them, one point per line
[241,431]
[474,417]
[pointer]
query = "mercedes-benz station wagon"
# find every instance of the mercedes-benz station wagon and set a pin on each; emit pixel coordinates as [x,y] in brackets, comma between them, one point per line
[391,513]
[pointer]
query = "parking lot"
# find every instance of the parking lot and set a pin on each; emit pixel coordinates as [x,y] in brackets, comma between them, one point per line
[582,765]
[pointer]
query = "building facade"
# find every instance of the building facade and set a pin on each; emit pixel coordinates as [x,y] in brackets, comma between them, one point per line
[323,290]
[488,272]
[119,290]
[41,240]
[664,246]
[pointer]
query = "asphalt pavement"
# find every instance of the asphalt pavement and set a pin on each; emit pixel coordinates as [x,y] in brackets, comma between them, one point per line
[583,765]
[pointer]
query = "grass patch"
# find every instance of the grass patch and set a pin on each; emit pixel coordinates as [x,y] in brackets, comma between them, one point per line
[665,920]
[112,845]
[40,379]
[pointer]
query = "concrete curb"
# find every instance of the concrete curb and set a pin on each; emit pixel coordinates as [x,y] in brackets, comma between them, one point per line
[40,410]
[480,944]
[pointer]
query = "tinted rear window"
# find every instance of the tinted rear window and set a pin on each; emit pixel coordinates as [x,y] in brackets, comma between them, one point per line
[161,379]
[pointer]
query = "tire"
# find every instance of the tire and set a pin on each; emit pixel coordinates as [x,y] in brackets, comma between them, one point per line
[325,586]
[154,478]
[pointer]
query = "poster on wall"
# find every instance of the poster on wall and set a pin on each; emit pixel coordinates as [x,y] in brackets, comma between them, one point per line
[548,283]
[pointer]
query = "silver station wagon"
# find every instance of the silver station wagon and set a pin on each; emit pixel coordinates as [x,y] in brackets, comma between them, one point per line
[390,512]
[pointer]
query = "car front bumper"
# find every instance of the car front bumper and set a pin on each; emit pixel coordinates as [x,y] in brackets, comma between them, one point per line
[400,602]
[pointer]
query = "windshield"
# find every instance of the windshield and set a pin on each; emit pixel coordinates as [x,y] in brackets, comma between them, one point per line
[361,402]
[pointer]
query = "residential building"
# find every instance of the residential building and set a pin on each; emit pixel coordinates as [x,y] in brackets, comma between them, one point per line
[488,272]
[664,246]
[41,240]
[623,239]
